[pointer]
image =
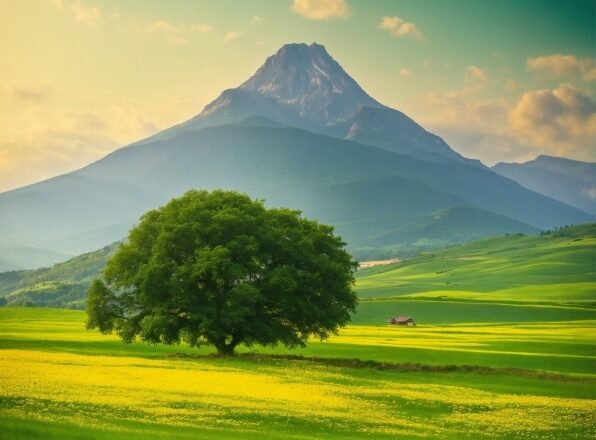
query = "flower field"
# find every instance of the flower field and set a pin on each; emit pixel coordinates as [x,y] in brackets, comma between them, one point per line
[52,388]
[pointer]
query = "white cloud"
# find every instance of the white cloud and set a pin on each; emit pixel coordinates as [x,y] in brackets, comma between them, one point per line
[475,73]
[561,120]
[558,65]
[406,73]
[231,36]
[177,34]
[42,141]
[474,127]
[321,9]
[88,15]
[399,28]
[166,27]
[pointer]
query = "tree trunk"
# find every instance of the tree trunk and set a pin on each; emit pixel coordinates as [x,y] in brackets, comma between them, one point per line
[228,349]
[224,349]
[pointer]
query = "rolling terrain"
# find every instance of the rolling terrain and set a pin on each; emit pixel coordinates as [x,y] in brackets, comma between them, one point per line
[490,358]
[503,348]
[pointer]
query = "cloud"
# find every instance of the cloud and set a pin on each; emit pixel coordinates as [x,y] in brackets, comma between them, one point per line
[26,92]
[473,126]
[562,120]
[87,15]
[406,73]
[558,122]
[321,9]
[558,66]
[589,192]
[166,27]
[399,28]
[256,20]
[177,34]
[39,142]
[231,36]
[475,73]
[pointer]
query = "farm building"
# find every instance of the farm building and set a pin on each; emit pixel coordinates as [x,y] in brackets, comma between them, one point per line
[401,320]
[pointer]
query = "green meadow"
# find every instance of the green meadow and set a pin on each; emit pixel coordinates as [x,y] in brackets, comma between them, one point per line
[503,348]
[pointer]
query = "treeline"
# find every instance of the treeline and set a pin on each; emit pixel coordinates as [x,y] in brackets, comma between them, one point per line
[568,230]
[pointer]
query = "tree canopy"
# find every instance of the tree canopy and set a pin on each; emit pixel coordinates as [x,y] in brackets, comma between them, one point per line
[220,268]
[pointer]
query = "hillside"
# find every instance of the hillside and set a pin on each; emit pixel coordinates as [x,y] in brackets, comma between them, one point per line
[299,133]
[364,191]
[512,268]
[557,267]
[515,278]
[62,285]
[569,181]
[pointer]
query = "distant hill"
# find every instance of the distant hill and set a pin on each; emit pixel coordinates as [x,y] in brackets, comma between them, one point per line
[569,181]
[24,257]
[554,266]
[61,285]
[299,133]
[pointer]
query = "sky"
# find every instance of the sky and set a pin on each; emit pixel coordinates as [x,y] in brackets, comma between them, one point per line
[499,81]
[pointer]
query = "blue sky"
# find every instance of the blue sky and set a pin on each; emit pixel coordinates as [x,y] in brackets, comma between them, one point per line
[500,81]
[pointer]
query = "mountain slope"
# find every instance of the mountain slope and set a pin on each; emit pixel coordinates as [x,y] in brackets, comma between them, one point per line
[303,86]
[377,191]
[569,181]
[363,190]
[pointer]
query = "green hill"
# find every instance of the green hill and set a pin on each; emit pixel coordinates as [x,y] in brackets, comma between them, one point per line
[556,269]
[62,285]
[512,278]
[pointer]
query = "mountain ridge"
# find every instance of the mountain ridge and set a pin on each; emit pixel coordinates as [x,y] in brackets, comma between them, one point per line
[570,181]
[261,147]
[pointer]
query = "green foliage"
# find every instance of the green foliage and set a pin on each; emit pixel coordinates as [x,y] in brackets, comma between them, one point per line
[220,268]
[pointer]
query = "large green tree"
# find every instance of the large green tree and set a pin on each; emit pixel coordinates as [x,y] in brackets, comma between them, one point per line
[220,268]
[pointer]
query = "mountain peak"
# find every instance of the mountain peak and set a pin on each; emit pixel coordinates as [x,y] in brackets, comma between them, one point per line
[307,79]
[301,85]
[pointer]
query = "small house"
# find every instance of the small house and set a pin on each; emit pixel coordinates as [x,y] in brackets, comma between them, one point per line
[401,320]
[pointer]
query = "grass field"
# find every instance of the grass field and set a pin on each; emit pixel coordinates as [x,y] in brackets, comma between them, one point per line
[61,381]
[495,354]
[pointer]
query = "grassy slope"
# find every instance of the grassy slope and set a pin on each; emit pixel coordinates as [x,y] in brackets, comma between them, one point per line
[556,269]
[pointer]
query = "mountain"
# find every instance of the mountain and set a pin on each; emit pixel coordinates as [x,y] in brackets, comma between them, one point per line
[569,181]
[303,86]
[299,133]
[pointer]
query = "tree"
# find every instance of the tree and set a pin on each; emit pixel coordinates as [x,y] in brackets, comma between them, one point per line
[219,268]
